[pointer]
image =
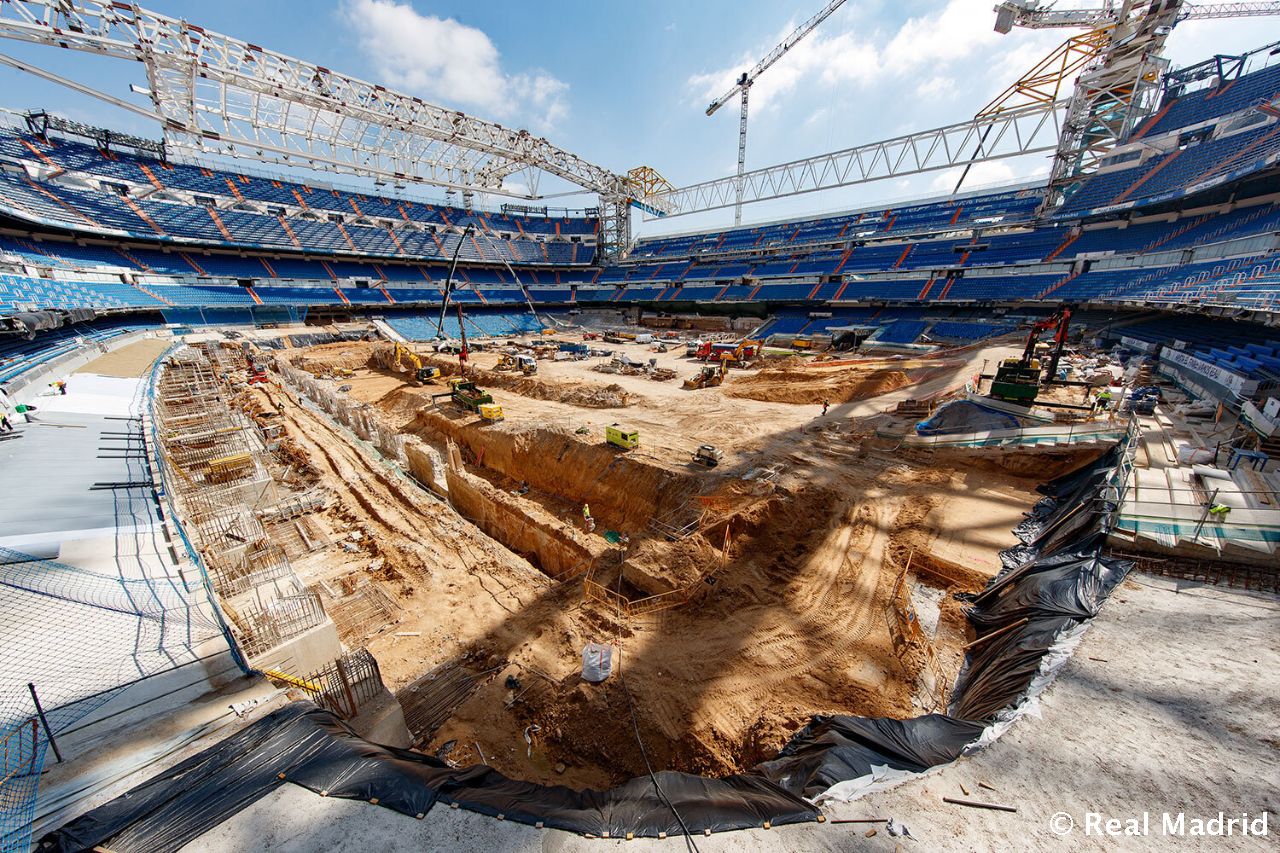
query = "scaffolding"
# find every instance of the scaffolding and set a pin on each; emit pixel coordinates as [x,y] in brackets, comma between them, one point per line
[217,466]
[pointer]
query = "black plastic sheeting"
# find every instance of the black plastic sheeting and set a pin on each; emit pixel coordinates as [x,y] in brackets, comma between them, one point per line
[307,746]
[1058,581]
[837,749]
[961,416]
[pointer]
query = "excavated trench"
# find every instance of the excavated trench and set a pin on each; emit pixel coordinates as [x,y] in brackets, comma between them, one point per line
[774,599]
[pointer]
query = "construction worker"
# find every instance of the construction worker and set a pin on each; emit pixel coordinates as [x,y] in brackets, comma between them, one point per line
[5,425]
[1219,512]
[826,404]
[1103,401]
[60,385]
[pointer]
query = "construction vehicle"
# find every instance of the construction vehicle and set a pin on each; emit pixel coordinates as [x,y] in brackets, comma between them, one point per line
[406,360]
[1018,380]
[707,455]
[464,394]
[708,377]
[524,363]
[620,436]
[728,352]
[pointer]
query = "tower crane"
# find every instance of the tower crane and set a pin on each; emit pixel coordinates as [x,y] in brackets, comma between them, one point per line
[1118,61]
[743,86]
[1039,16]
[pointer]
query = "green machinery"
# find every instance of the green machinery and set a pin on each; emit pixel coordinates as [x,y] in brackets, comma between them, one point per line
[464,394]
[620,436]
[1017,380]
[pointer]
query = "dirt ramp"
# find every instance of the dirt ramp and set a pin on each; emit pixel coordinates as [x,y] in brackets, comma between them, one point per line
[789,383]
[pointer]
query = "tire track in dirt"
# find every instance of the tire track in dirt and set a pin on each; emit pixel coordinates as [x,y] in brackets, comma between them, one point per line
[386,505]
[835,620]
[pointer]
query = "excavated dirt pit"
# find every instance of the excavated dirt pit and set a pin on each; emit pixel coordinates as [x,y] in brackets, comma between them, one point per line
[780,566]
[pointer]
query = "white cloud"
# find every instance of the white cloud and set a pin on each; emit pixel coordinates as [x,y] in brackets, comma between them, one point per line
[449,62]
[956,42]
[936,88]
[988,173]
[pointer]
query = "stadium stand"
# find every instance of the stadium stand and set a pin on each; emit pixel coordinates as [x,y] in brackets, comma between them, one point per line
[112,192]
[134,232]
[19,355]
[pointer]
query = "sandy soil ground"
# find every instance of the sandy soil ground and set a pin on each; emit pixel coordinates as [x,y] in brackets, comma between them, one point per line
[1167,706]
[129,361]
[790,580]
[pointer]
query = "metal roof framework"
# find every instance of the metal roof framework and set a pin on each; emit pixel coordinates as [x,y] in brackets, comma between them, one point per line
[215,94]
[1030,129]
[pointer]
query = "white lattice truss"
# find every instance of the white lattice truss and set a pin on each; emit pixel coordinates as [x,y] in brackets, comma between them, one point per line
[216,94]
[1027,130]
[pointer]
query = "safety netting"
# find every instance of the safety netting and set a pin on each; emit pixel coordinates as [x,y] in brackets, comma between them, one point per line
[74,639]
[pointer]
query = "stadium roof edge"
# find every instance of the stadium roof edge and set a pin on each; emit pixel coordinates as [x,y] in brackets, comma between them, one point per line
[988,189]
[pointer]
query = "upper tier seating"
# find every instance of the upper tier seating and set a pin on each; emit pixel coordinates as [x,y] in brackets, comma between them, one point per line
[1006,206]
[249,211]
[1224,98]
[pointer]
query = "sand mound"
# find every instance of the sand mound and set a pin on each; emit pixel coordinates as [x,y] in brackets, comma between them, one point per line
[790,382]
[346,355]
[612,396]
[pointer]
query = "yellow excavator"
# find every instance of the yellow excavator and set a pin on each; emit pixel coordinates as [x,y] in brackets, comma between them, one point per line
[408,360]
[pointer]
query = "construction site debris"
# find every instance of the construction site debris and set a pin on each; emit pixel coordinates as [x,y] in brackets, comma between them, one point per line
[979,804]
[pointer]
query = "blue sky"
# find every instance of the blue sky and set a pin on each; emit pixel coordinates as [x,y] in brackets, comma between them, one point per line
[625,84]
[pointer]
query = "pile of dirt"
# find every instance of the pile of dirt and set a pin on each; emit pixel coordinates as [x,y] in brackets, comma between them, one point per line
[344,355]
[789,382]
[612,396]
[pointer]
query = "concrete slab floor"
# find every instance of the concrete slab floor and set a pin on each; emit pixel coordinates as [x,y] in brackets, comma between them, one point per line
[1168,705]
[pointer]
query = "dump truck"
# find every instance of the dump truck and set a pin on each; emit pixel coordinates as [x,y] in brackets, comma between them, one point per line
[526,364]
[620,436]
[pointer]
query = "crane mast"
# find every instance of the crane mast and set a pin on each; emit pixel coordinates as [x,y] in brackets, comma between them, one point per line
[1119,64]
[742,89]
